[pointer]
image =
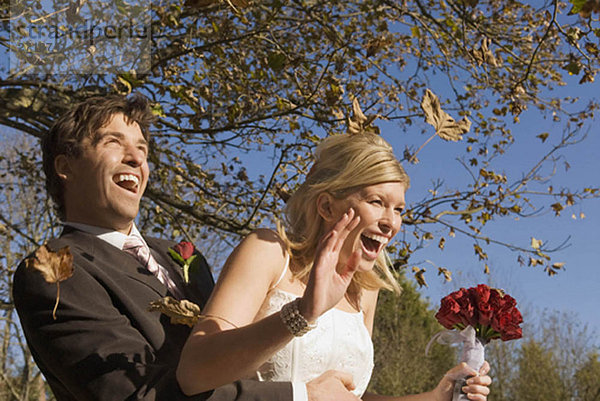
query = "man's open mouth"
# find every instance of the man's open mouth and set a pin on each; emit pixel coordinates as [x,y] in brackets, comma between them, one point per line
[129,182]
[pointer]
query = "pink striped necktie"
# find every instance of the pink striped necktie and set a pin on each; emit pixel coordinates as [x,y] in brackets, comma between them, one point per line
[136,246]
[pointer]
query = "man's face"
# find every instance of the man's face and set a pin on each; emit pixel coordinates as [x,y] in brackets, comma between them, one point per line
[104,186]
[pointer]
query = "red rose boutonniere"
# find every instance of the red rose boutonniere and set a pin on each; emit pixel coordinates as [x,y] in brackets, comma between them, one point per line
[183,254]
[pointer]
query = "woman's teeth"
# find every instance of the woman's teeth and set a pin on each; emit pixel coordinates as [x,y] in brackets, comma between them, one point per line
[374,242]
[379,238]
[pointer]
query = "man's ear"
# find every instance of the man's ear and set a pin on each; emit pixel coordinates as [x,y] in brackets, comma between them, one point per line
[325,206]
[62,166]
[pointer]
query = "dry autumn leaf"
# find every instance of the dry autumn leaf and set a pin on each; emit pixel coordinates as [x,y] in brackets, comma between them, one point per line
[446,273]
[536,243]
[360,123]
[54,266]
[445,126]
[180,312]
[420,276]
[483,54]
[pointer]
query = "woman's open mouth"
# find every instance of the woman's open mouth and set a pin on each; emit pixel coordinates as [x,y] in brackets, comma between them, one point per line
[372,244]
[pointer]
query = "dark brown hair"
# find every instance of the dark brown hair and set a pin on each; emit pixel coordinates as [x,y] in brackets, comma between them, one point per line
[83,121]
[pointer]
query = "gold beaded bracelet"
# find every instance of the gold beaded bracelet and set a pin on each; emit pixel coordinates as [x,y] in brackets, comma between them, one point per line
[293,319]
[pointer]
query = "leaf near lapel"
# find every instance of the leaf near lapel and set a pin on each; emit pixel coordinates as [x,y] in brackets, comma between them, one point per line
[180,312]
[54,267]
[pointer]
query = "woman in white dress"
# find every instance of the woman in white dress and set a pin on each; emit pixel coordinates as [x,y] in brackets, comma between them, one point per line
[291,305]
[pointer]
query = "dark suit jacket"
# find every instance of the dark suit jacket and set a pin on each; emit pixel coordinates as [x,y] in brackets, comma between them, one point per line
[105,344]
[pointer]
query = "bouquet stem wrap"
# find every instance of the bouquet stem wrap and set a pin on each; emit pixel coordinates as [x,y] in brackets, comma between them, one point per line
[472,354]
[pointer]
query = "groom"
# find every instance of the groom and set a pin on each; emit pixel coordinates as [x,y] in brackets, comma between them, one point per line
[103,343]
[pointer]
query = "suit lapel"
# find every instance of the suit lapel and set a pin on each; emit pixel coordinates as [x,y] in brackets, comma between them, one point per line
[109,258]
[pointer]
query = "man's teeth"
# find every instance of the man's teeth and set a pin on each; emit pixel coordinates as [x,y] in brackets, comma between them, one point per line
[379,238]
[128,177]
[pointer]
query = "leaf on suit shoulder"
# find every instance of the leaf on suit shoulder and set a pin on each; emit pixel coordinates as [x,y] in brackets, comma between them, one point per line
[54,267]
[180,312]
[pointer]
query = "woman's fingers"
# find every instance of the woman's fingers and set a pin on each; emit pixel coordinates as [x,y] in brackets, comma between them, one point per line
[335,238]
[485,368]
[476,390]
[477,387]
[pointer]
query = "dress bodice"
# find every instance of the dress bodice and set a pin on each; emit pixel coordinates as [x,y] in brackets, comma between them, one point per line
[340,341]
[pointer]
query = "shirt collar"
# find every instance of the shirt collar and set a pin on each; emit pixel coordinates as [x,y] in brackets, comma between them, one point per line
[115,238]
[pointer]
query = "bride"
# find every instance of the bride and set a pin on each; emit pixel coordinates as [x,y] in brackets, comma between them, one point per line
[291,305]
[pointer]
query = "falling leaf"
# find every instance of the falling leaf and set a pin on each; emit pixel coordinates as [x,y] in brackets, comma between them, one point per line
[442,243]
[536,243]
[180,312]
[445,126]
[557,207]
[486,269]
[359,123]
[445,272]
[543,136]
[419,276]
[54,266]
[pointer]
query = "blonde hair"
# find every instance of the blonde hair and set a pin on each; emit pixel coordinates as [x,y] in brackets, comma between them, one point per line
[343,164]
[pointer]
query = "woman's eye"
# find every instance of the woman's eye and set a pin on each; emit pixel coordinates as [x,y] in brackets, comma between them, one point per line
[377,202]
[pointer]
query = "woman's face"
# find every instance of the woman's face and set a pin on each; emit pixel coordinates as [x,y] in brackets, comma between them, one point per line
[380,209]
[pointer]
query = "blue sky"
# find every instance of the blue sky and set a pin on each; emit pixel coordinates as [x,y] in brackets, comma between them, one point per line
[576,290]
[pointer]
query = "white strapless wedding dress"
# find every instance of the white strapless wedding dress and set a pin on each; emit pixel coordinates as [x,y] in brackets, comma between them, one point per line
[340,341]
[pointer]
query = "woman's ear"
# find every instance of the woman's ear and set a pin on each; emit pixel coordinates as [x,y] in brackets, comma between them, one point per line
[325,206]
[62,166]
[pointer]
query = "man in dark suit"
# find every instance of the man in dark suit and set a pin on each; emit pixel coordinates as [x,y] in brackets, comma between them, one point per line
[104,343]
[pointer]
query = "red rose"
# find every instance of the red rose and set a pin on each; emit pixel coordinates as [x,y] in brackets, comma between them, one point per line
[509,325]
[485,314]
[467,309]
[185,249]
[448,313]
[481,293]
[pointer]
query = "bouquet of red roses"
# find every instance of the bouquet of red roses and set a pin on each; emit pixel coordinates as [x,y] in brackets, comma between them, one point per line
[492,313]
[479,314]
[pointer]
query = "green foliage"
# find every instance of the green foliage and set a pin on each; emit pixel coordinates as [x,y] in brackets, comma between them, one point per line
[539,378]
[587,379]
[403,327]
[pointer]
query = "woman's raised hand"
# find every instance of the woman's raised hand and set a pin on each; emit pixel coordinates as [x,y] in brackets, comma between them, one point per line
[327,284]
